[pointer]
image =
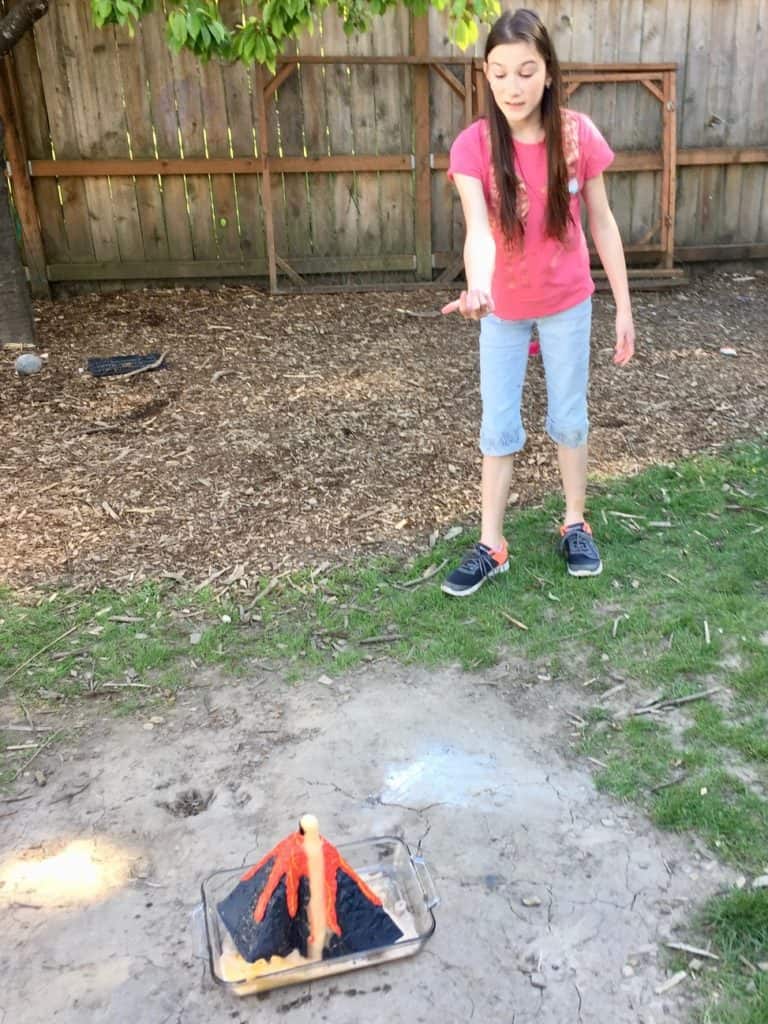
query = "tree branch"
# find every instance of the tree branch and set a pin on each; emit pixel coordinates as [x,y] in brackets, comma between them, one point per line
[18,21]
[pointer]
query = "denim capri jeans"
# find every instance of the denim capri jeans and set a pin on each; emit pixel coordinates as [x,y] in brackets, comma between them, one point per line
[564,342]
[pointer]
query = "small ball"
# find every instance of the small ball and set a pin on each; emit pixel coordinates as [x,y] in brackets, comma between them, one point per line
[28,363]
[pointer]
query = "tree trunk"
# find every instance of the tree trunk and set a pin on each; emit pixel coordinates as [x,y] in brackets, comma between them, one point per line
[18,20]
[16,322]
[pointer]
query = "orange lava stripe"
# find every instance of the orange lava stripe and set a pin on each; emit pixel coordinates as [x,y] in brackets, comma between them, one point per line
[290,862]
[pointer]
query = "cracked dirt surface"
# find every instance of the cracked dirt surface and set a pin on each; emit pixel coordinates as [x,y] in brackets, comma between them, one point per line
[556,900]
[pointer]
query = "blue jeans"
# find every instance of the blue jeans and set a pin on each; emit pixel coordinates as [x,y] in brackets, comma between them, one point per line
[564,341]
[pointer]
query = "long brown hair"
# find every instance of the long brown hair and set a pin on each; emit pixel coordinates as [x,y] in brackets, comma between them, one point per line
[526,26]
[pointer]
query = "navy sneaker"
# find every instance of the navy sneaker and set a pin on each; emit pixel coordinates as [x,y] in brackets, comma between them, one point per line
[580,551]
[478,566]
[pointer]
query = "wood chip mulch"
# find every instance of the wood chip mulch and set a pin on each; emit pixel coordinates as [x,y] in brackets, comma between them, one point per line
[291,430]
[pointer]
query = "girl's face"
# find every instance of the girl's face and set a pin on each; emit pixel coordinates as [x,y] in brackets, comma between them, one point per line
[517,75]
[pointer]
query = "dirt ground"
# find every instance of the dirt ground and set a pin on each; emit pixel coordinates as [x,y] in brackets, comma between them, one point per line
[556,902]
[289,430]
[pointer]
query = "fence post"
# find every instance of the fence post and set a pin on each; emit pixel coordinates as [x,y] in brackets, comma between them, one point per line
[421,130]
[23,194]
[478,91]
[669,174]
[266,180]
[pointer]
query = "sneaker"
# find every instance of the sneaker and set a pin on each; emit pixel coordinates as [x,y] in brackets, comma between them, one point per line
[478,565]
[580,551]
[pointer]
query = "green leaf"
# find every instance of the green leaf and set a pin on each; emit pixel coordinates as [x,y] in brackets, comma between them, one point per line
[460,35]
[278,30]
[177,25]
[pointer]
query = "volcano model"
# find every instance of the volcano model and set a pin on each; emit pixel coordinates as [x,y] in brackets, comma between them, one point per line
[303,899]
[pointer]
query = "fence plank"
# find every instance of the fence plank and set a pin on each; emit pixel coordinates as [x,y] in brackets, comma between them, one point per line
[563,22]
[218,144]
[675,47]
[761,88]
[737,129]
[423,173]
[393,115]
[290,118]
[189,102]
[37,136]
[242,117]
[138,116]
[266,187]
[603,99]
[86,104]
[694,203]
[719,112]
[646,206]
[339,107]
[447,120]
[49,43]
[753,208]
[21,184]
[112,137]
[321,201]
[165,126]
[365,137]
[624,129]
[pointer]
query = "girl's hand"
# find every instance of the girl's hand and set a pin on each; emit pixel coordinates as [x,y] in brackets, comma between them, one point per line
[625,339]
[473,304]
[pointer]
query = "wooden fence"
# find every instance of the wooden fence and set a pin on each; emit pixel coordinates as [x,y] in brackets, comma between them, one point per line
[133,163]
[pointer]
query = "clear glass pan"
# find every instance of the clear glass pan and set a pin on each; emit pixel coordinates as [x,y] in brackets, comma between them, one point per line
[400,878]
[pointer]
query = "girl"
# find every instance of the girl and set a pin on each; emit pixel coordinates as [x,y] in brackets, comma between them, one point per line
[520,173]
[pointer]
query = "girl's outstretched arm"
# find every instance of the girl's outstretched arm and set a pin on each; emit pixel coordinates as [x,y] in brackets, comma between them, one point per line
[605,235]
[479,251]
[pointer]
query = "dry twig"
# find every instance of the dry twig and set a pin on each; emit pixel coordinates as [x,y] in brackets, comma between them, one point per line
[433,570]
[673,702]
[693,950]
[39,751]
[671,982]
[514,621]
[672,782]
[42,650]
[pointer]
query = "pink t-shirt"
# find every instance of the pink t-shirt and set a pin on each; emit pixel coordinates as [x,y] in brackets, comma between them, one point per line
[542,275]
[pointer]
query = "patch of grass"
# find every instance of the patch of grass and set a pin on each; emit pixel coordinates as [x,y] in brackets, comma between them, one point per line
[721,809]
[640,758]
[748,735]
[735,927]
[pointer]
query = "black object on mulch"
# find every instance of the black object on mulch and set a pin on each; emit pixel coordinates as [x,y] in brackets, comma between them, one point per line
[113,366]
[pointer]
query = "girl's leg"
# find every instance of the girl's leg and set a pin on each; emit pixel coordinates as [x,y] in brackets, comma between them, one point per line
[496,482]
[503,360]
[573,470]
[564,340]
[565,351]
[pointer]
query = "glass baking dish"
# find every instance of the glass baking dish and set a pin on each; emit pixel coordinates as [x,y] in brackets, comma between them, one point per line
[399,878]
